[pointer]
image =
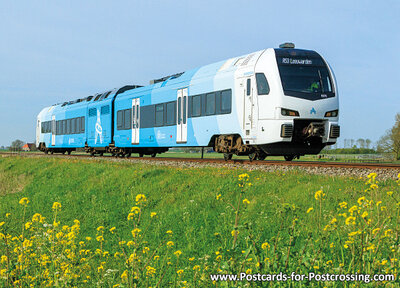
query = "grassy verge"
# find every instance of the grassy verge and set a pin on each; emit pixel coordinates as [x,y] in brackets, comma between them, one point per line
[130,225]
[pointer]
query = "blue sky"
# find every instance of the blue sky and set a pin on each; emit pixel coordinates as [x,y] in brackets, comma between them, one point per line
[53,51]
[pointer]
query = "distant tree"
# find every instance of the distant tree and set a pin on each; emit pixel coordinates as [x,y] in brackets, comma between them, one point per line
[368,142]
[361,143]
[390,142]
[17,145]
[352,143]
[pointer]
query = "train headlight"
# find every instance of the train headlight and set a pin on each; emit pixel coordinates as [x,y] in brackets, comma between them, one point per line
[287,112]
[333,113]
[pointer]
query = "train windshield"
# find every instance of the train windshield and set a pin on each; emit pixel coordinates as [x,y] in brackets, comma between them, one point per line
[305,75]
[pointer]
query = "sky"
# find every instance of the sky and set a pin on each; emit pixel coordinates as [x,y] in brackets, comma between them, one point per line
[55,51]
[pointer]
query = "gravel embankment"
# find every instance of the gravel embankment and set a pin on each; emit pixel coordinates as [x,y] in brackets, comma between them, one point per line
[382,174]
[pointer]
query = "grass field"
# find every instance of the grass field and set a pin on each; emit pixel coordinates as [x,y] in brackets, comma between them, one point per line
[106,224]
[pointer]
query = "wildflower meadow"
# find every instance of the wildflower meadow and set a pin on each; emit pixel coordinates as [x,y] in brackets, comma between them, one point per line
[174,227]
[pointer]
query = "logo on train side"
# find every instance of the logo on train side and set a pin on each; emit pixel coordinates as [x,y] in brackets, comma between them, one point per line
[99,129]
[313,111]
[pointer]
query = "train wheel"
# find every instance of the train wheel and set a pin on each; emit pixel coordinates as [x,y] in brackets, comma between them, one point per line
[51,152]
[252,156]
[153,155]
[261,156]
[46,151]
[63,152]
[140,154]
[228,156]
[69,152]
[288,157]
[92,154]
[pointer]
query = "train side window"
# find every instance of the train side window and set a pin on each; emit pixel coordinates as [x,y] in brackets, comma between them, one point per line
[226,102]
[92,112]
[159,121]
[248,89]
[210,104]
[196,106]
[73,125]
[120,119]
[83,124]
[78,125]
[262,84]
[68,126]
[105,110]
[64,127]
[170,113]
[127,119]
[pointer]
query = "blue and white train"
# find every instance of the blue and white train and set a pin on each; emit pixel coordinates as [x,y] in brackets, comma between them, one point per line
[281,101]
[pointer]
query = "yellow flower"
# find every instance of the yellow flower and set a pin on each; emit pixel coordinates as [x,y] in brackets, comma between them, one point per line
[351,220]
[218,196]
[371,175]
[135,232]
[343,204]
[234,232]
[28,225]
[178,253]
[378,203]
[179,272]
[124,276]
[353,209]
[100,238]
[24,201]
[244,177]
[37,218]
[153,214]
[248,271]
[354,233]
[310,209]
[169,232]
[135,210]
[145,250]
[365,214]
[170,244]
[219,257]
[319,195]
[361,200]
[56,206]
[316,267]
[156,257]
[100,228]
[88,238]
[140,198]
[376,230]
[389,193]
[191,259]
[196,267]
[150,270]
[245,201]
[371,247]
[265,245]
[112,230]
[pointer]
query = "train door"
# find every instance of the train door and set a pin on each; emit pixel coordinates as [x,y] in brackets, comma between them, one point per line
[53,130]
[248,121]
[135,120]
[181,116]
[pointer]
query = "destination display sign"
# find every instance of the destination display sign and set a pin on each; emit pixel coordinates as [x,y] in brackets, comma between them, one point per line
[300,61]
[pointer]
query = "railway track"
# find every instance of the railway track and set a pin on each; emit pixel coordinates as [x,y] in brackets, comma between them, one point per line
[324,164]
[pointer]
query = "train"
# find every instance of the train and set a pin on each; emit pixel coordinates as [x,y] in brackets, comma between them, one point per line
[274,102]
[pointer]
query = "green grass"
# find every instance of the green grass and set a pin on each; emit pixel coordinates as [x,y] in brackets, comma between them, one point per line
[101,193]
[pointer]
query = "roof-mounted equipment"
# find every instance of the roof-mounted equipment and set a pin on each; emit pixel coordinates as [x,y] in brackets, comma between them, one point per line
[287,45]
[170,77]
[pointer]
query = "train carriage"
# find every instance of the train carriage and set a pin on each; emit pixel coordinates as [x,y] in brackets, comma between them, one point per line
[281,101]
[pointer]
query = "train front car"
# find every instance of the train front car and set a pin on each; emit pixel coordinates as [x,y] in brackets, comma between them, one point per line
[297,103]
